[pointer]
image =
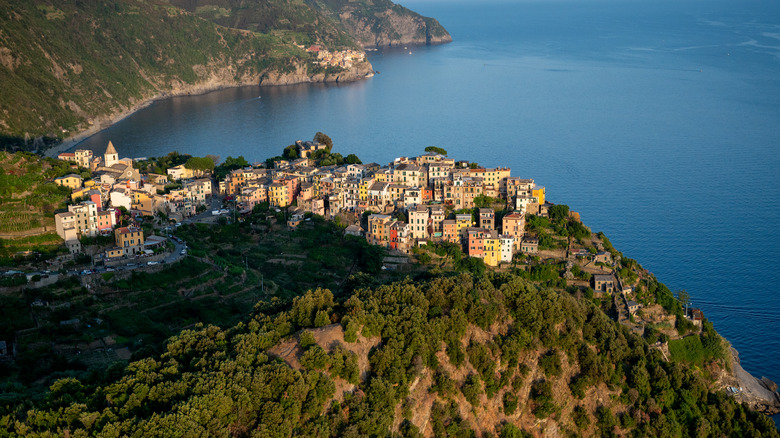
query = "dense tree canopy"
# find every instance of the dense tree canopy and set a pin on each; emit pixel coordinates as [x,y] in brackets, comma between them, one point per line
[324,139]
[221,382]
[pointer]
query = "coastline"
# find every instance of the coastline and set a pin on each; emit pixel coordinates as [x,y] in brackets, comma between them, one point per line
[760,394]
[298,76]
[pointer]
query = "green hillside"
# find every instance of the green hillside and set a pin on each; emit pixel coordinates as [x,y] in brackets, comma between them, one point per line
[334,22]
[294,20]
[455,355]
[454,349]
[61,64]
[67,67]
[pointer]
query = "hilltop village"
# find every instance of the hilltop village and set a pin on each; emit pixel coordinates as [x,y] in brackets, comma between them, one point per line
[312,219]
[407,203]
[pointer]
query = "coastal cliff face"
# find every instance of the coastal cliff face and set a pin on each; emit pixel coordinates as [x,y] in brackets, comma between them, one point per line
[388,28]
[760,394]
[301,75]
[383,23]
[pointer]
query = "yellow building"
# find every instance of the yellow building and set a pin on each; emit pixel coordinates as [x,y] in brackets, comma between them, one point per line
[130,240]
[384,175]
[493,178]
[79,193]
[463,221]
[71,181]
[365,184]
[277,195]
[113,253]
[491,253]
[538,192]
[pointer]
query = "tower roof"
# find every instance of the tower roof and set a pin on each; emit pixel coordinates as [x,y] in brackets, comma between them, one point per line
[110,149]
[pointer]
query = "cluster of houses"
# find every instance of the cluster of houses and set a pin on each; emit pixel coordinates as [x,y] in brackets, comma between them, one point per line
[117,183]
[427,191]
[424,188]
[339,58]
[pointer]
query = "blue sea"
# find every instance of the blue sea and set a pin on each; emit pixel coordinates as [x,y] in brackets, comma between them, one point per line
[658,121]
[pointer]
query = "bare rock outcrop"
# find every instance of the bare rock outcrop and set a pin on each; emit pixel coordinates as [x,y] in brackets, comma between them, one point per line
[760,394]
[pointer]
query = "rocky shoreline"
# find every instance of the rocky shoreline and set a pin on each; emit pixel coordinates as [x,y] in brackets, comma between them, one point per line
[760,394]
[213,83]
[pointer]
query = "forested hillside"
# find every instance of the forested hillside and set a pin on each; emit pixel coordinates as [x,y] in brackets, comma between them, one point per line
[373,23]
[453,355]
[67,67]
[65,64]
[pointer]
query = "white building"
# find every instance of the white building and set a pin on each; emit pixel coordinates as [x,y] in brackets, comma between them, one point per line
[121,198]
[507,245]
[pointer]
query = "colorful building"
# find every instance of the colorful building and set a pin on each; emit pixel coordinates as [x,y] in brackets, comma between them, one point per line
[130,240]
[71,181]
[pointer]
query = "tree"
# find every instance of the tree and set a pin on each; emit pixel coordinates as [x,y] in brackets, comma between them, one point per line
[203,164]
[511,431]
[319,137]
[235,163]
[684,298]
[558,212]
[352,159]
[214,158]
[306,339]
[436,149]
[291,152]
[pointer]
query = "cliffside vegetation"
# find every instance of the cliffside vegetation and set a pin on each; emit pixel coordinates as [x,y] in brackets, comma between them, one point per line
[71,66]
[454,355]
[455,349]
[63,64]
[337,23]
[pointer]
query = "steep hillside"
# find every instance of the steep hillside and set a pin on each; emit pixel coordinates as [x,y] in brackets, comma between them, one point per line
[295,20]
[70,66]
[381,23]
[368,23]
[451,356]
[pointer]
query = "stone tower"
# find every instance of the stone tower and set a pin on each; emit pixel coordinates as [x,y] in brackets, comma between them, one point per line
[110,157]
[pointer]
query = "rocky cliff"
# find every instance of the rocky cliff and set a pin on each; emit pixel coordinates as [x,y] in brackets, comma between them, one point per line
[301,75]
[382,23]
[761,395]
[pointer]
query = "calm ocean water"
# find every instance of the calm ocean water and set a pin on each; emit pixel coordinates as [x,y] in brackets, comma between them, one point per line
[658,121]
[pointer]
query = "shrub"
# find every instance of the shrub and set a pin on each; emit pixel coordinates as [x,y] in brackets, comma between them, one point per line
[550,363]
[510,403]
[580,417]
[472,389]
[541,393]
[315,358]
[306,339]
